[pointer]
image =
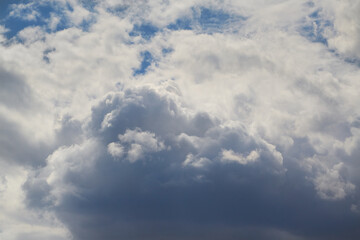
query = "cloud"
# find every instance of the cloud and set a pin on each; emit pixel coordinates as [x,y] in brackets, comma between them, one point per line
[181,120]
[231,156]
[74,174]
[17,220]
[345,34]
[15,92]
[138,143]
[184,177]
[116,149]
[329,182]
[197,163]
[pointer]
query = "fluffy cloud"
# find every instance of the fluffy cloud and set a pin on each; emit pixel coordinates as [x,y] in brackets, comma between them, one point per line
[194,162]
[139,144]
[230,156]
[183,174]
[181,120]
[344,34]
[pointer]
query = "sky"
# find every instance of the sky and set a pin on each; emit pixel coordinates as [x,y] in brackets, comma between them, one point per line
[179,120]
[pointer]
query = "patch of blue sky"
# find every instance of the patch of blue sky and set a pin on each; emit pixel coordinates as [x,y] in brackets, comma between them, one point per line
[64,23]
[119,10]
[18,17]
[89,4]
[181,24]
[314,28]
[212,18]
[208,20]
[203,19]
[350,60]
[166,51]
[14,26]
[10,19]
[315,14]
[353,60]
[145,30]
[147,60]
[86,24]
[5,6]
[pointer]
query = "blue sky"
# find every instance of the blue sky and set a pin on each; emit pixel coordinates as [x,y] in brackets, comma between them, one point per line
[179,120]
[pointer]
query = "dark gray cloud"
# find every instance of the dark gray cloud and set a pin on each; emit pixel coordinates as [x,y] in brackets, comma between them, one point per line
[101,194]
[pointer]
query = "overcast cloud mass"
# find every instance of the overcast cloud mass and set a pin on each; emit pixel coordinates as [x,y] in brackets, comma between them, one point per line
[165,119]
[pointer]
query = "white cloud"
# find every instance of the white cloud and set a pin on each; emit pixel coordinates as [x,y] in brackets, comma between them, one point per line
[231,156]
[146,139]
[345,35]
[328,181]
[24,11]
[193,161]
[139,143]
[116,149]
[31,34]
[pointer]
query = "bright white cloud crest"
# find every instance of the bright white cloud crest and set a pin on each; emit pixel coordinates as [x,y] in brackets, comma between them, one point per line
[140,143]
[185,105]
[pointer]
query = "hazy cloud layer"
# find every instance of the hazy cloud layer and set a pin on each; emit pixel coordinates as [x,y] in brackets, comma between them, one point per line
[179,119]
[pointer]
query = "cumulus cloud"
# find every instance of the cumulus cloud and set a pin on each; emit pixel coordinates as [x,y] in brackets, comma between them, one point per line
[329,182]
[181,120]
[194,162]
[139,144]
[231,156]
[75,173]
[176,175]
